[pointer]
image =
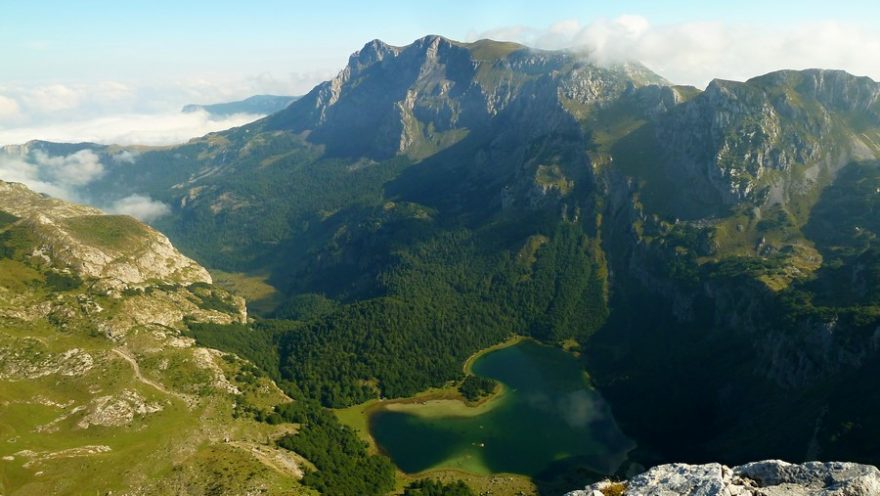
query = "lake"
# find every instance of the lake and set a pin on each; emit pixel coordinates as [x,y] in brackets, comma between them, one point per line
[546,415]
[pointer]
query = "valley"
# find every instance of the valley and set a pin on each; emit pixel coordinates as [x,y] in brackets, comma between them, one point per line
[710,256]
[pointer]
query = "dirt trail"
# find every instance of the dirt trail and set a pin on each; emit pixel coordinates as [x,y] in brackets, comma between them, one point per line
[279,459]
[137,373]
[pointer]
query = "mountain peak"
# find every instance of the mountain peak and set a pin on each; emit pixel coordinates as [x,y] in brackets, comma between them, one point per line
[374,51]
[432,39]
[422,97]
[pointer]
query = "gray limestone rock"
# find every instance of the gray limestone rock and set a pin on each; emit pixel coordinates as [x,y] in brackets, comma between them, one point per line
[765,478]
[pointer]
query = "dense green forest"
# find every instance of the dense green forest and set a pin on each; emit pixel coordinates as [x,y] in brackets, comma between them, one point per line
[475,387]
[443,300]
[344,468]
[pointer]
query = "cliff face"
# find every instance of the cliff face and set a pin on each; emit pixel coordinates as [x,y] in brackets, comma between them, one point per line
[424,97]
[766,478]
[766,140]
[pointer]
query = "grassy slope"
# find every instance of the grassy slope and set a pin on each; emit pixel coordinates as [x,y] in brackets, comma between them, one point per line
[179,449]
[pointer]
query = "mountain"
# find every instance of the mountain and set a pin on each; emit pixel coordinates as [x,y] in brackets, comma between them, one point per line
[711,253]
[102,391]
[257,104]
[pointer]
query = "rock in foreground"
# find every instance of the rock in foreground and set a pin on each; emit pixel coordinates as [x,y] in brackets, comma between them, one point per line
[766,478]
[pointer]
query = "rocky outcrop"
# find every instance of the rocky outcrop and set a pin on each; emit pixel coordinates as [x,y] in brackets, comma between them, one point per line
[117,251]
[735,135]
[114,256]
[766,478]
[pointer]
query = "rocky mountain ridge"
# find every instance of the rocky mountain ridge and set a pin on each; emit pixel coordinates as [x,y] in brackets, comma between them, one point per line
[257,105]
[765,478]
[417,96]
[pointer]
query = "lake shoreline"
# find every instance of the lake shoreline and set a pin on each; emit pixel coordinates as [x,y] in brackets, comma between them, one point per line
[542,385]
[358,416]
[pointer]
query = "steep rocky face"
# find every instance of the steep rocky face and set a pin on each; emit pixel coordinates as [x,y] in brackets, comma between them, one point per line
[769,138]
[423,97]
[766,478]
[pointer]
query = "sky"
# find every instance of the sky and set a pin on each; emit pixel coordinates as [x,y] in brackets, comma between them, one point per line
[118,72]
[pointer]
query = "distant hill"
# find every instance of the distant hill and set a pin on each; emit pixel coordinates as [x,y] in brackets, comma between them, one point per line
[257,104]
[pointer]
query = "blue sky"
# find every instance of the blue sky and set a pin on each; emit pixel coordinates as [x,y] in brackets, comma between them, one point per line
[104,66]
[133,40]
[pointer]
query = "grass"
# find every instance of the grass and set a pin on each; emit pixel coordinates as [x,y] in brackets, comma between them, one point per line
[180,445]
[489,50]
[16,276]
[176,445]
[262,298]
[496,484]
[613,489]
[115,232]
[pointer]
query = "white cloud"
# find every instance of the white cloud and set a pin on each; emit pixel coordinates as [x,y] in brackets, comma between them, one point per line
[578,409]
[696,52]
[58,176]
[8,108]
[52,98]
[132,113]
[76,169]
[64,176]
[18,170]
[140,207]
[125,157]
[128,129]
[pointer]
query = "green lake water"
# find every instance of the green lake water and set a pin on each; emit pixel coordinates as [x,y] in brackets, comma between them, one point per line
[546,417]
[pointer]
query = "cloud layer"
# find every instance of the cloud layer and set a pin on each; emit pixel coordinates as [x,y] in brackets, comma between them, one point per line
[131,113]
[140,207]
[696,52]
[55,176]
[66,176]
[127,129]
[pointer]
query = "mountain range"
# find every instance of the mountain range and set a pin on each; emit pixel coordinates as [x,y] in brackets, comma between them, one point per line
[257,104]
[712,254]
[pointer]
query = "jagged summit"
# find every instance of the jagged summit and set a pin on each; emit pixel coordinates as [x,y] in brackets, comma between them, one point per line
[422,97]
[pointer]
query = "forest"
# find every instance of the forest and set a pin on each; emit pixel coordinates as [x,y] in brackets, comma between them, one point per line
[443,300]
[344,467]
